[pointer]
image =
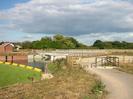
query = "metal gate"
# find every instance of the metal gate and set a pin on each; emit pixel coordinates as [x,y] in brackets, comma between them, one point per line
[106,61]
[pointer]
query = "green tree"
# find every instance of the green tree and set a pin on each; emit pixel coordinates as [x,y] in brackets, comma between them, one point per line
[58,37]
[27,45]
[62,42]
[46,42]
[117,44]
[99,44]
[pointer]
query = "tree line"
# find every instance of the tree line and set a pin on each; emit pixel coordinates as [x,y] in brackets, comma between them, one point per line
[62,42]
[56,42]
[112,45]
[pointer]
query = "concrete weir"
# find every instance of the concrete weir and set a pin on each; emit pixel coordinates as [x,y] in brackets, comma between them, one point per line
[84,56]
[47,56]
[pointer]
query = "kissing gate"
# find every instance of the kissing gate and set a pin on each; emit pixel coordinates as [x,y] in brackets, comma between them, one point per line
[106,61]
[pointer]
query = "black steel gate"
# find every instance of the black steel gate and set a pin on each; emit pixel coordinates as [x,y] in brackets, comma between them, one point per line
[107,61]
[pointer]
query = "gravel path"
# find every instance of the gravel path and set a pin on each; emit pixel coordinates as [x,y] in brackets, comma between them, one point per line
[118,84]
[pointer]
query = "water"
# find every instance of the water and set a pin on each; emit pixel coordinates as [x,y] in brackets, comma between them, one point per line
[37,64]
[33,63]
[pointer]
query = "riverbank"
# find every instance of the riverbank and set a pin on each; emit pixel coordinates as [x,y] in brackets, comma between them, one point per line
[68,83]
[126,68]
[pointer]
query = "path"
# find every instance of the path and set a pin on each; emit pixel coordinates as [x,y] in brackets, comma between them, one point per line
[118,84]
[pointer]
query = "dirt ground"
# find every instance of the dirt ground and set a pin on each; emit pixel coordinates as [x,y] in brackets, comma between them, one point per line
[118,84]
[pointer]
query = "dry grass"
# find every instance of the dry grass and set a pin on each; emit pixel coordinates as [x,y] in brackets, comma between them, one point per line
[126,68]
[68,83]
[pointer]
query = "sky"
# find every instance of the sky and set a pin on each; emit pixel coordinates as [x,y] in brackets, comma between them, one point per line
[86,20]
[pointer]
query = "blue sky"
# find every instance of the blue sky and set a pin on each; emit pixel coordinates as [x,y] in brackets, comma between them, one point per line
[86,20]
[6,4]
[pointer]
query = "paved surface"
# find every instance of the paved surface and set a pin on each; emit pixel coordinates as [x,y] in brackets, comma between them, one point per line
[118,84]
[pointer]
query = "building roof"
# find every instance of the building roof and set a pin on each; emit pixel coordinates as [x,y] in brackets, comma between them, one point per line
[5,44]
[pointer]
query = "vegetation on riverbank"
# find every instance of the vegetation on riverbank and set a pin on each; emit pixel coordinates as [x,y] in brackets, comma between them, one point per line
[68,83]
[11,75]
[126,68]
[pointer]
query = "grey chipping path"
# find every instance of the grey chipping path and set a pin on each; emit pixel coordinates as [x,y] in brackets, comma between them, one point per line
[118,84]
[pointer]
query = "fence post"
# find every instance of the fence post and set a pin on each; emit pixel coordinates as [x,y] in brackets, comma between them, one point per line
[96,61]
[6,58]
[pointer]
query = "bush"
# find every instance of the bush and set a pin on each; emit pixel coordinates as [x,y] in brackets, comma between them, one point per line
[98,88]
[57,65]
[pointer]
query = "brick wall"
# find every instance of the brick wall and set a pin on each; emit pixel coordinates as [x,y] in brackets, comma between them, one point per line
[20,59]
[9,48]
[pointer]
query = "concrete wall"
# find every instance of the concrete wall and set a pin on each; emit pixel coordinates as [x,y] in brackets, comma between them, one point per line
[6,49]
[9,48]
[39,57]
[34,57]
[58,57]
[86,61]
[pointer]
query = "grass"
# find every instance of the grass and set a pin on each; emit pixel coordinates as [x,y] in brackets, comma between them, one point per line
[98,88]
[67,83]
[126,68]
[11,75]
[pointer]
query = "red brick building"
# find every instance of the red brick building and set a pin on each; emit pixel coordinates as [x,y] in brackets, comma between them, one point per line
[6,48]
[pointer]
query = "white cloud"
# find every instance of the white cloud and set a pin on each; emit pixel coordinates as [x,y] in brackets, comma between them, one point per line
[70,17]
[90,38]
[130,35]
[29,36]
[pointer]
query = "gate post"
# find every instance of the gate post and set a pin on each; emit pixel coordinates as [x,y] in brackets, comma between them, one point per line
[96,61]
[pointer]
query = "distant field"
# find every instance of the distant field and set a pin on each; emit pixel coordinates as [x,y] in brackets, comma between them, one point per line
[11,75]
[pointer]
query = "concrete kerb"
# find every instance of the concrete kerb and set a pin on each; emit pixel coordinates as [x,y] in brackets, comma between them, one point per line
[22,66]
